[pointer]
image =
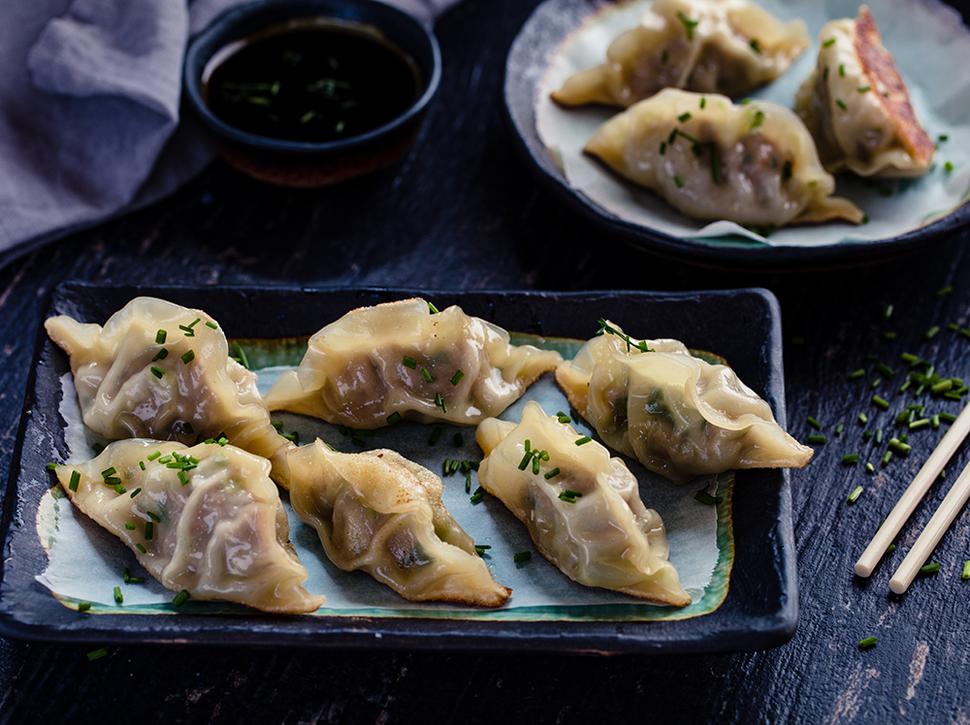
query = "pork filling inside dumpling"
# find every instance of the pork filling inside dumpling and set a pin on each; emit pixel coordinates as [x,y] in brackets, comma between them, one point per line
[206,519]
[581,507]
[378,364]
[677,414]
[379,512]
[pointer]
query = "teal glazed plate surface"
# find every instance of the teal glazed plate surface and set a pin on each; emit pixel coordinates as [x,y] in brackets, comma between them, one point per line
[737,559]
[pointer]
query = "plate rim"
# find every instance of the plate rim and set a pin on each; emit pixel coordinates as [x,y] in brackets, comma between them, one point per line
[675,636]
[760,256]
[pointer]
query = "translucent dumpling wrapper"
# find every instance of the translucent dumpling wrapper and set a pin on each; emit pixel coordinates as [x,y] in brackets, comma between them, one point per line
[381,513]
[754,163]
[711,46]
[378,364]
[162,371]
[206,519]
[857,107]
[677,414]
[581,507]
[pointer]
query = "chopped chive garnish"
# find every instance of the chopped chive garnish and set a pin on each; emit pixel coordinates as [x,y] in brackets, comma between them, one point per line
[875,383]
[854,496]
[828,43]
[921,423]
[887,457]
[75,480]
[536,463]
[863,418]
[552,474]
[129,526]
[812,421]
[817,438]
[432,309]
[154,516]
[108,472]
[129,579]
[885,370]
[856,374]
[890,549]
[948,167]
[393,418]
[935,421]
[569,496]
[183,478]
[96,654]
[52,466]
[931,568]
[703,101]
[160,337]
[842,69]
[562,417]
[456,378]
[153,456]
[684,117]
[759,118]
[135,492]
[703,496]
[864,89]
[141,465]
[879,435]
[477,497]
[850,458]
[944,291]
[480,549]
[439,401]
[965,575]
[119,597]
[157,372]
[119,489]
[140,548]
[212,325]
[867,643]
[880,402]
[899,446]
[410,362]
[84,607]
[870,468]
[426,374]
[942,386]
[678,182]
[947,417]
[583,440]
[181,598]
[149,530]
[524,463]
[188,357]
[663,147]
[521,557]
[841,104]
[755,46]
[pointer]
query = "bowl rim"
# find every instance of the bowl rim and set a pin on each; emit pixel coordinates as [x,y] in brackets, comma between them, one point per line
[224,22]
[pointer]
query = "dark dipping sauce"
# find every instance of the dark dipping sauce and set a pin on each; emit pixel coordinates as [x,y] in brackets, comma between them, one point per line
[313,82]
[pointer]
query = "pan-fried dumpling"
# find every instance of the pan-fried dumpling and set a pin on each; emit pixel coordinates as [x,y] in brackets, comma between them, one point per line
[752,164]
[206,519]
[678,415]
[379,512]
[159,370]
[857,107]
[401,359]
[582,508]
[712,46]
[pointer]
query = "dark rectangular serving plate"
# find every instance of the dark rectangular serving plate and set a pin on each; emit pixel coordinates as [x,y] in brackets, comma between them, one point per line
[760,610]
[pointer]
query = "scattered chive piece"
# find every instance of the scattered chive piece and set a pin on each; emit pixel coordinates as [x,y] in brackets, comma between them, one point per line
[83,606]
[678,182]
[157,372]
[828,43]
[477,497]
[688,24]
[410,362]
[948,167]
[864,89]
[817,438]
[149,530]
[880,402]
[521,557]
[685,116]
[931,568]
[129,579]
[563,418]
[841,104]
[160,337]
[876,383]
[130,526]
[119,597]
[870,468]
[889,335]
[921,423]
[885,370]
[854,496]
[569,496]
[393,418]
[755,45]
[153,516]
[863,418]
[524,463]
[942,386]
[759,118]
[183,478]
[153,456]
[867,643]
[188,357]
[536,463]
[814,423]
[583,441]
[890,549]
[842,69]
[887,458]
[899,446]
[135,492]
[212,325]
[850,458]
[480,549]
[704,497]
[663,147]
[947,417]
[879,435]
[935,421]
[856,374]
[141,465]
[439,401]
[432,309]
[51,466]
[943,138]
[944,291]
[140,548]
[552,474]
[96,654]
[181,598]
[75,480]
[965,575]
[456,378]
[426,374]
[703,101]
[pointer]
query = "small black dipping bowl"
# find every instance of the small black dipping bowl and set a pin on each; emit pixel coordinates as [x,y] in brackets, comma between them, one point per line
[304,163]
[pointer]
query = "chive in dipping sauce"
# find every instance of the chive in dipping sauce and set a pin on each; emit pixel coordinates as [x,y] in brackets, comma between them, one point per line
[314,80]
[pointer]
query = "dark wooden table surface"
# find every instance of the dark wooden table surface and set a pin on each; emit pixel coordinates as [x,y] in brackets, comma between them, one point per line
[463,211]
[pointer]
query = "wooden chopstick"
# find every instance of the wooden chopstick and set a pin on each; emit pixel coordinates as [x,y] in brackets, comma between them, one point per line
[911,497]
[927,541]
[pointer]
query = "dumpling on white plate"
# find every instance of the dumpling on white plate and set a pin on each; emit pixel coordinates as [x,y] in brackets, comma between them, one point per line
[381,513]
[712,46]
[378,364]
[581,507]
[751,163]
[162,371]
[857,107]
[678,415]
[205,519]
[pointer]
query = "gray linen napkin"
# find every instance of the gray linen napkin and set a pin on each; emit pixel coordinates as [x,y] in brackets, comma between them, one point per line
[89,110]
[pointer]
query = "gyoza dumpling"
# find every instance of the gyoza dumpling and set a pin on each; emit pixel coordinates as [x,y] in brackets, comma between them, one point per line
[379,512]
[752,164]
[399,359]
[678,415]
[857,107]
[159,370]
[712,46]
[205,519]
[582,508]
